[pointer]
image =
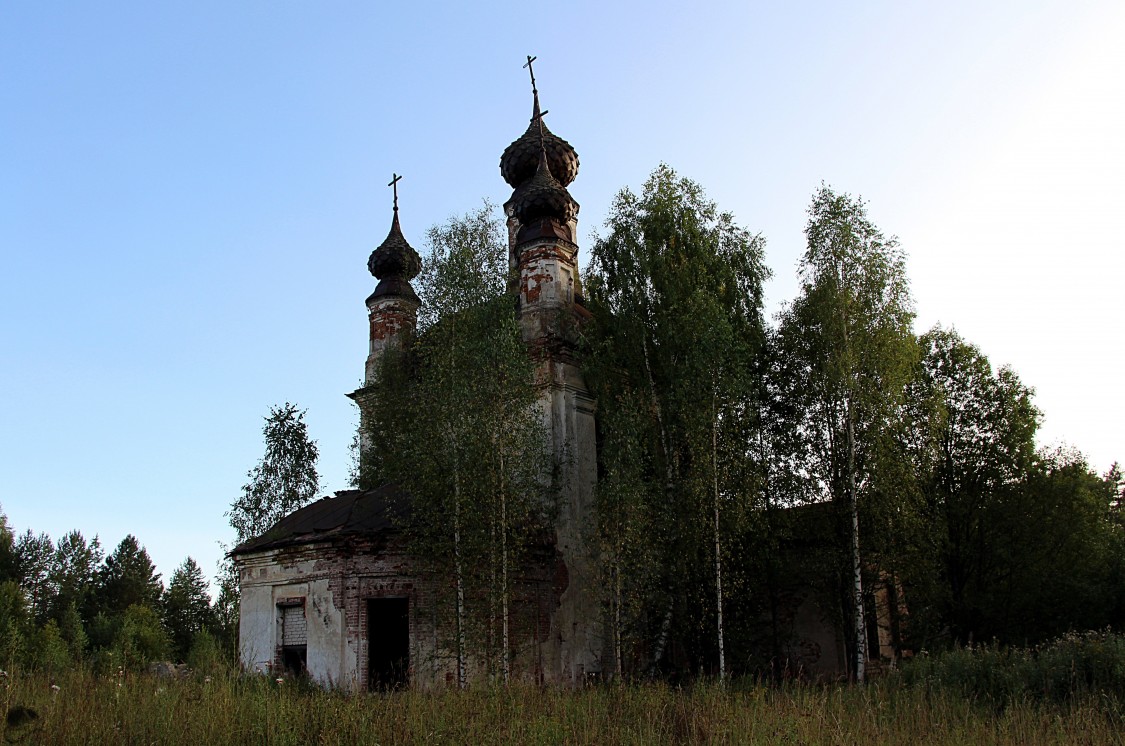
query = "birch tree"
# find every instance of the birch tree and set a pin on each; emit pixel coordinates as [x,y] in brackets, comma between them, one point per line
[455,426]
[675,288]
[283,480]
[850,350]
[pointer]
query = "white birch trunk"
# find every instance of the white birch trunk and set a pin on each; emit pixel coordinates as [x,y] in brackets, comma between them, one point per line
[666,624]
[505,658]
[718,543]
[462,679]
[853,503]
[857,568]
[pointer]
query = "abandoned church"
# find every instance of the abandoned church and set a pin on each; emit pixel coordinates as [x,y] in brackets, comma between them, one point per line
[332,591]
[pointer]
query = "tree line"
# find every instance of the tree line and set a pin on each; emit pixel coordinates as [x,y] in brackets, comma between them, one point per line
[833,447]
[830,449]
[67,603]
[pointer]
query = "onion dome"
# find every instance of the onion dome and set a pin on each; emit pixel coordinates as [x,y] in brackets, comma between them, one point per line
[521,158]
[542,196]
[395,263]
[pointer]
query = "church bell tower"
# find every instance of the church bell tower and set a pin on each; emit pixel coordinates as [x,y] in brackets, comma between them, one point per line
[392,310]
[543,254]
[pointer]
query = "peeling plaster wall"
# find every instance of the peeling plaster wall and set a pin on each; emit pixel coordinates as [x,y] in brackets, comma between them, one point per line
[270,578]
[334,583]
[577,645]
[390,320]
[548,271]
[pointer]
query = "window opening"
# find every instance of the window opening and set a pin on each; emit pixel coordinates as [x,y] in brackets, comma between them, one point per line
[294,637]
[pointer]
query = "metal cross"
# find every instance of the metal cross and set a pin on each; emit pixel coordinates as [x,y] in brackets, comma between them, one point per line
[394,183]
[531,70]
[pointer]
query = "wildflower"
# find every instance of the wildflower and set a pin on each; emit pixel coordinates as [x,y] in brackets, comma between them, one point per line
[280,681]
[3,674]
[206,679]
[54,689]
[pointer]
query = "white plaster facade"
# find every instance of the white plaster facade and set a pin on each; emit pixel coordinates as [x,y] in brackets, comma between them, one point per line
[271,580]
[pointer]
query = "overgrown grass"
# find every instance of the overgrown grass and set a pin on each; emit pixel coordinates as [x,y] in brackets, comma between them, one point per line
[1077,665]
[1071,691]
[254,710]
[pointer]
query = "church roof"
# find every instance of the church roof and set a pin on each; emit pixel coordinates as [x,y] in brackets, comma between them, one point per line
[521,158]
[395,257]
[543,196]
[349,513]
[394,262]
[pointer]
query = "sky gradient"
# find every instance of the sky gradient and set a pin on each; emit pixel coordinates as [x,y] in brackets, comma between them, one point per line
[189,193]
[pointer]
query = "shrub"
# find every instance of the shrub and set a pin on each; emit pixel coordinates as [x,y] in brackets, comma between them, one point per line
[206,654]
[1073,665]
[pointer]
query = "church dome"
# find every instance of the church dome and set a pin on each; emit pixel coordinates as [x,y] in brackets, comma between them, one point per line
[543,196]
[520,159]
[394,261]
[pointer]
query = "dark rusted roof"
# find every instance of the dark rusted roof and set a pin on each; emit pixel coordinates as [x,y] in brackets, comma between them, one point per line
[349,513]
[520,159]
[395,257]
[543,197]
[394,286]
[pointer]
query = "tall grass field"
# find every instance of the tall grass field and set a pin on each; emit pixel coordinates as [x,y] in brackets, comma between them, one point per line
[1068,693]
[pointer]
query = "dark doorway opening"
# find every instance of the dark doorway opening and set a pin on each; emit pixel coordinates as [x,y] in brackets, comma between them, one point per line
[294,658]
[388,643]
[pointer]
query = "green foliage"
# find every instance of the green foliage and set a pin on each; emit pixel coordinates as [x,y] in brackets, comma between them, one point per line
[1056,553]
[9,560]
[847,353]
[128,578]
[1070,667]
[676,292]
[73,632]
[186,607]
[454,423]
[49,651]
[15,622]
[35,555]
[283,480]
[206,655]
[1022,545]
[140,638]
[73,574]
[226,609]
[972,446]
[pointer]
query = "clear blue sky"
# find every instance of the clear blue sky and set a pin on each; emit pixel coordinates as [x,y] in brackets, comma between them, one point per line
[189,193]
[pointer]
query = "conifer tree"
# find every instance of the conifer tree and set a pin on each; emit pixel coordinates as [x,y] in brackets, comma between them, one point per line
[35,555]
[128,578]
[74,574]
[9,560]
[187,607]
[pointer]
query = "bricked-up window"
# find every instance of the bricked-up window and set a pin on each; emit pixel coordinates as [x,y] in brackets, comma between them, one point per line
[293,635]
